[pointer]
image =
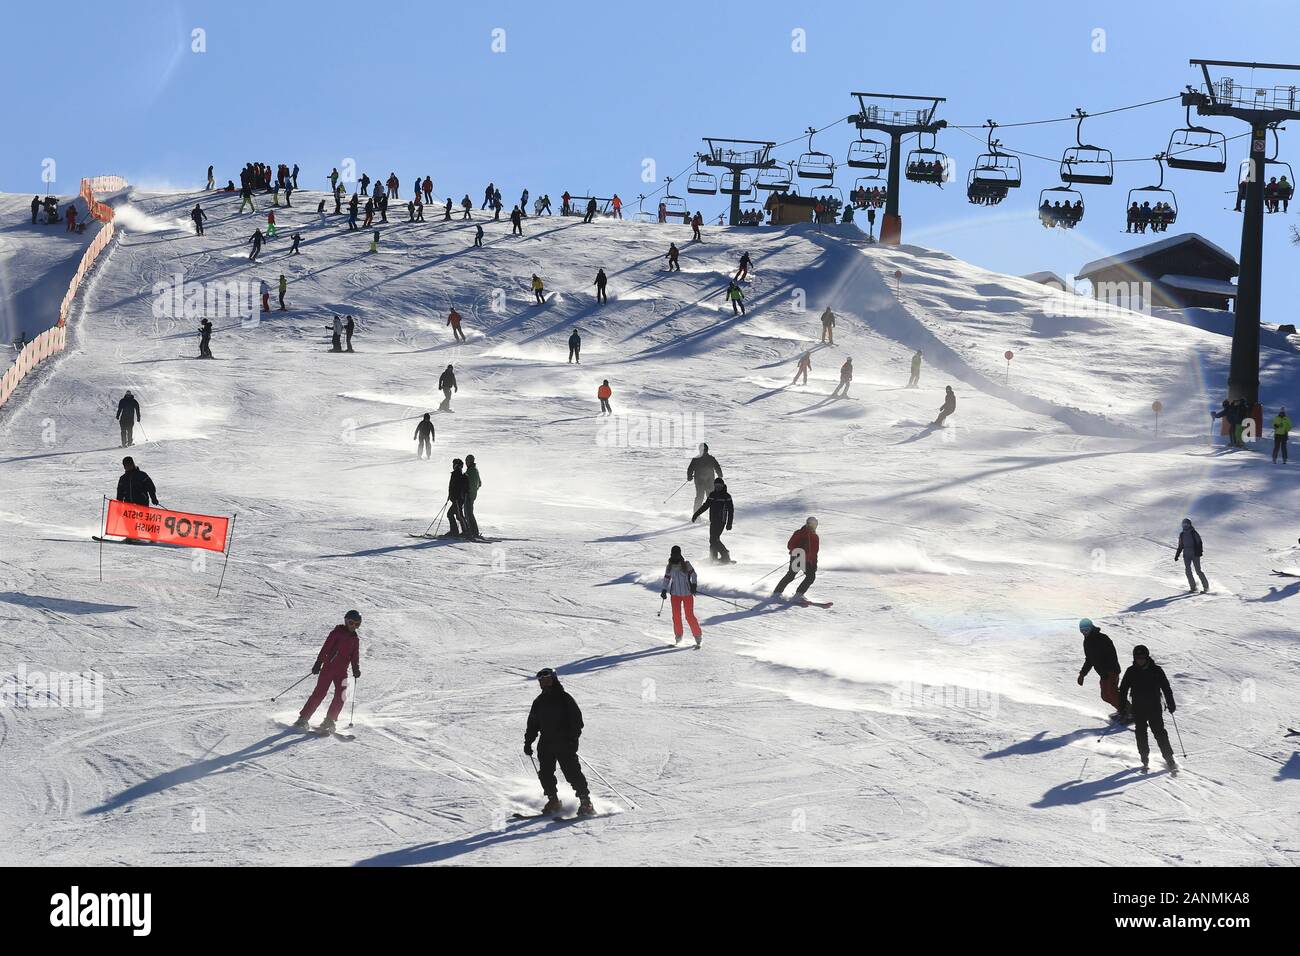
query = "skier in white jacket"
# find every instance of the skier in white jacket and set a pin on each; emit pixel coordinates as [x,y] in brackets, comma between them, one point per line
[680,583]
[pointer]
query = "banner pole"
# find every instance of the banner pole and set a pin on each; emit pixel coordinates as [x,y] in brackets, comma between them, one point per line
[229,544]
[102,528]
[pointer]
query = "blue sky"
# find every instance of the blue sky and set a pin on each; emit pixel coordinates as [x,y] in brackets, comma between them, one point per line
[584,93]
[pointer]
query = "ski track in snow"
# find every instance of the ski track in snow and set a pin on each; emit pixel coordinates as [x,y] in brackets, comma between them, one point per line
[930,717]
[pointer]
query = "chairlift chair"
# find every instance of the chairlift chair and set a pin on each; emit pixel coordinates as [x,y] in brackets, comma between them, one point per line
[1279,189]
[868,154]
[983,188]
[869,191]
[1148,199]
[702,184]
[773,179]
[730,187]
[1197,147]
[925,164]
[1090,165]
[1054,216]
[815,164]
[997,168]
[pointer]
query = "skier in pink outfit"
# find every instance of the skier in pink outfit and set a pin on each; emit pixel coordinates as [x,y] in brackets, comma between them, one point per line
[340,649]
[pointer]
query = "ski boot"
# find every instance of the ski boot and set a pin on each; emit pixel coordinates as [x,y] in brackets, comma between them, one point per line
[698,642]
[553,806]
[326,727]
[677,639]
[585,809]
[301,724]
[1172,766]
[1145,767]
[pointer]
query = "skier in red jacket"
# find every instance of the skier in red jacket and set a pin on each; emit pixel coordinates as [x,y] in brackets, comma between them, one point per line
[340,649]
[803,545]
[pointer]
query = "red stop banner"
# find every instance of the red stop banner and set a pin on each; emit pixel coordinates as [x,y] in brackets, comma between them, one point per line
[167,527]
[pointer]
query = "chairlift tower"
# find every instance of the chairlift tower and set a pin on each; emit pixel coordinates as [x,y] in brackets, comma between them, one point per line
[737,156]
[1264,108]
[882,115]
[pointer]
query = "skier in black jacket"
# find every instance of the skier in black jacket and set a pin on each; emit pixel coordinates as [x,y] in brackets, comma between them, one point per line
[575,347]
[446,385]
[135,487]
[457,489]
[424,435]
[1099,655]
[721,512]
[1147,682]
[128,413]
[555,715]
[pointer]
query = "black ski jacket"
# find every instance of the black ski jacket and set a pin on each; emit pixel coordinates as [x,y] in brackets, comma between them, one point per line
[1099,654]
[555,715]
[457,486]
[720,508]
[447,380]
[136,487]
[703,461]
[128,409]
[1146,684]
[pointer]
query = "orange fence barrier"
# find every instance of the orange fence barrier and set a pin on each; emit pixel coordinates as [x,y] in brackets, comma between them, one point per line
[53,340]
[180,528]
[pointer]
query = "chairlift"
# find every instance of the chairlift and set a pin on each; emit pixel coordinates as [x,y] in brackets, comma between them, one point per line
[869,192]
[868,154]
[996,168]
[814,164]
[642,215]
[674,206]
[926,164]
[1060,206]
[751,212]
[1279,189]
[773,179]
[831,198]
[731,187]
[982,189]
[1086,164]
[1197,147]
[1153,206]
[702,184]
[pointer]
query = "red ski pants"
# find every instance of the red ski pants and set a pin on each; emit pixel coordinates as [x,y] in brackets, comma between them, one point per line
[1110,689]
[685,602]
[322,688]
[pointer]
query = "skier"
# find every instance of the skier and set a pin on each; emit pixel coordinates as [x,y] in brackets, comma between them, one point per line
[736,297]
[370,214]
[466,204]
[673,253]
[805,366]
[352,212]
[349,327]
[487,195]
[846,378]
[428,190]
[523,204]
[1190,548]
[211,179]
[516,222]
[604,393]
[743,271]
[424,435]
[205,339]
[695,228]
[446,211]
[295,175]
[453,319]
[600,286]
[447,385]
[374,241]
[1281,428]
[556,717]
[575,347]
[246,197]
[497,206]
[198,215]
[457,489]
[617,205]
[828,326]
[803,546]
[293,249]
[36,208]
[947,408]
[680,583]
[334,180]
[265,291]
[134,486]
[565,207]
[544,207]
[916,370]
[1099,655]
[539,292]
[283,287]
[591,210]
[256,240]
[341,648]
[128,413]
[478,236]
[721,512]
[704,469]
[1147,682]
[473,482]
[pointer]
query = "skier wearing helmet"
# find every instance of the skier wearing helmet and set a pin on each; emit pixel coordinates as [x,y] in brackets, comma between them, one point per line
[556,717]
[803,546]
[1099,655]
[340,649]
[1190,549]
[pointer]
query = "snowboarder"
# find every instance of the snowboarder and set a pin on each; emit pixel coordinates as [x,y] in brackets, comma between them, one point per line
[556,717]
[743,271]
[198,215]
[721,513]
[134,486]
[1281,428]
[341,648]
[803,546]
[575,347]
[256,240]
[457,489]
[600,283]
[680,583]
[846,378]
[1190,548]
[947,408]
[453,319]
[828,326]
[673,253]
[205,339]
[128,413]
[916,370]
[539,291]
[447,385]
[736,297]
[1099,655]
[336,334]
[805,366]
[424,435]
[473,482]
[604,393]
[283,288]
[704,469]
[1147,682]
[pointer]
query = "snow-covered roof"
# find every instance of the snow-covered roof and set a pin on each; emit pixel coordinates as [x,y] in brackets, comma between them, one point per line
[1150,249]
[1201,284]
[1046,278]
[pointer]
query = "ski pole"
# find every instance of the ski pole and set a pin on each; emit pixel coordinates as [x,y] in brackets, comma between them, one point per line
[436,517]
[1179,733]
[661,607]
[718,598]
[353,714]
[292,686]
[534,763]
[630,804]
[770,573]
[679,488]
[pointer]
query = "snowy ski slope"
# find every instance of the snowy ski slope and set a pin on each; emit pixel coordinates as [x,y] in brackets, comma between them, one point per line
[930,717]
